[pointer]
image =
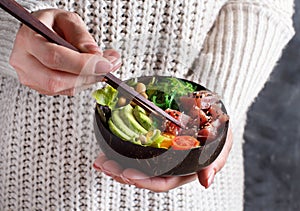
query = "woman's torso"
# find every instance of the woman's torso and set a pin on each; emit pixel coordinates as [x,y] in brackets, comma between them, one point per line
[48,142]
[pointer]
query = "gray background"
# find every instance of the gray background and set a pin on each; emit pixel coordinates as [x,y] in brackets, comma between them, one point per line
[272,147]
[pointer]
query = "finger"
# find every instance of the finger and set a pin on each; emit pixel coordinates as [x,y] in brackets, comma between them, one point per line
[67,92]
[60,58]
[156,184]
[75,90]
[163,184]
[207,175]
[120,180]
[74,30]
[109,167]
[112,55]
[98,163]
[71,27]
[112,168]
[49,81]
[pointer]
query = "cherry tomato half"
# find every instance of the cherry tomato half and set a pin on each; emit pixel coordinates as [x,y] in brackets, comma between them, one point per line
[184,142]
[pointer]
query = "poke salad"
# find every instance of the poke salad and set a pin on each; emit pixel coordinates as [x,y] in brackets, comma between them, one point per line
[200,111]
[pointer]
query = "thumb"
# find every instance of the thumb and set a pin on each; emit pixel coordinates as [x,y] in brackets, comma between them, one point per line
[74,30]
[207,175]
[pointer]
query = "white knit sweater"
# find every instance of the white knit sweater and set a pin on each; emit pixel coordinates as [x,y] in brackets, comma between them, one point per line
[47,143]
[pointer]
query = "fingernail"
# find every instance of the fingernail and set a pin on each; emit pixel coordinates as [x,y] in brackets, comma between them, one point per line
[210,179]
[111,59]
[126,180]
[109,169]
[135,176]
[92,48]
[117,62]
[96,167]
[98,163]
[103,67]
[116,65]
[108,173]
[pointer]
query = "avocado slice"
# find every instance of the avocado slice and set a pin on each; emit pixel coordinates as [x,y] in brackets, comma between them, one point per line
[141,116]
[153,138]
[118,122]
[153,135]
[127,114]
[117,131]
[156,143]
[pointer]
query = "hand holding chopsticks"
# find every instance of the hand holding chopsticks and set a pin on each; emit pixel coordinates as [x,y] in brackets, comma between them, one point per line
[52,69]
[32,22]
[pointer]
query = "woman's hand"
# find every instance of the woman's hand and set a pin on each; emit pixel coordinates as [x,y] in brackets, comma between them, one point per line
[162,184]
[52,69]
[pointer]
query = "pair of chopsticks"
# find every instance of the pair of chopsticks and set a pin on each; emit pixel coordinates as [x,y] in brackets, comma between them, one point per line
[32,22]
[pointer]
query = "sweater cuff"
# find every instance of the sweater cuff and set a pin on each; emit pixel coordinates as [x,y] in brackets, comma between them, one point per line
[8,30]
[240,52]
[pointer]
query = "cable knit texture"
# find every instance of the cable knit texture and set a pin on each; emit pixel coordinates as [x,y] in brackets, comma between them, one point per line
[48,143]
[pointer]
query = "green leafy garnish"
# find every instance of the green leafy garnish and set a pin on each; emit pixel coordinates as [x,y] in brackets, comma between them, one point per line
[164,93]
[106,96]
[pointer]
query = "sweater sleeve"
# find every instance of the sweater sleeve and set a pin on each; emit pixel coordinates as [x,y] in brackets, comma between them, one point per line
[8,29]
[242,48]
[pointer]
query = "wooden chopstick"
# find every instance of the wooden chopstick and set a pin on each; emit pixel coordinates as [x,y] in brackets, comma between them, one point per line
[137,98]
[16,10]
